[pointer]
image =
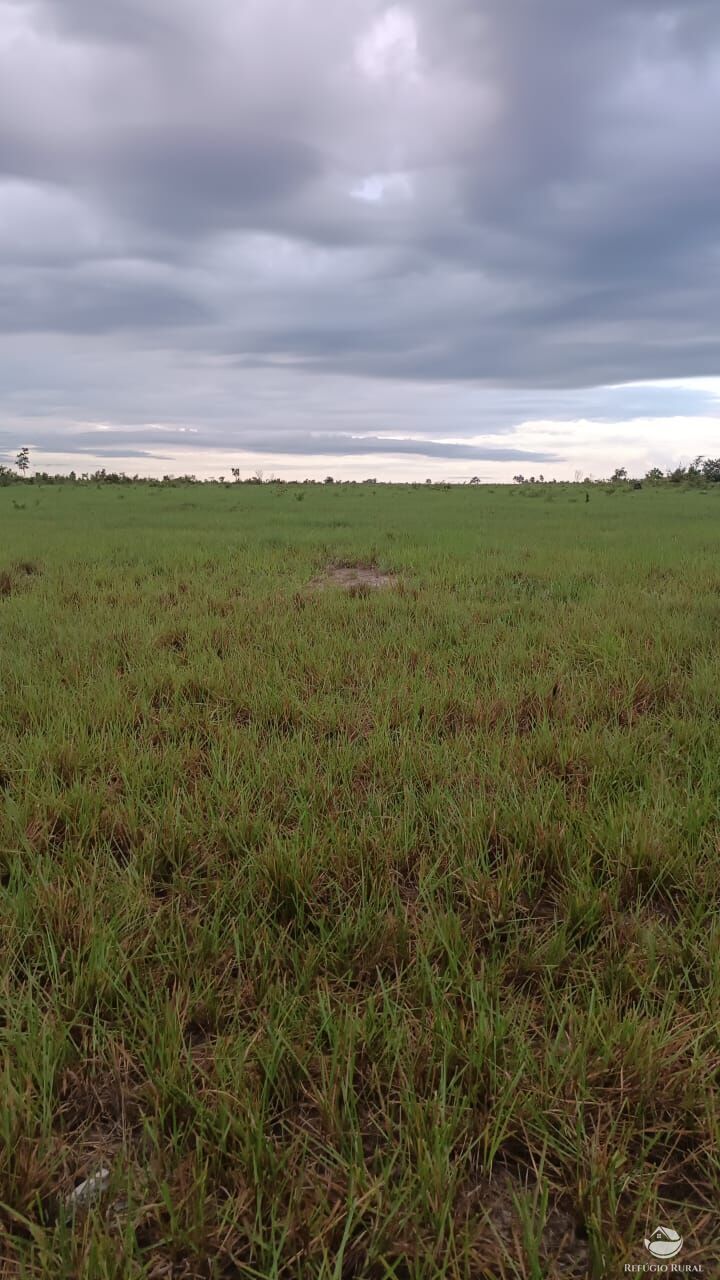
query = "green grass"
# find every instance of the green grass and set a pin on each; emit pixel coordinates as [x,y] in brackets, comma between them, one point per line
[366,935]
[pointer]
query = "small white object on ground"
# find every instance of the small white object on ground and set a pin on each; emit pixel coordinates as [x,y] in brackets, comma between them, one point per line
[89,1191]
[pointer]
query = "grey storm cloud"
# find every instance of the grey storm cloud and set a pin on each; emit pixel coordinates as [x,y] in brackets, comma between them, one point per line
[129,442]
[483,193]
[88,306]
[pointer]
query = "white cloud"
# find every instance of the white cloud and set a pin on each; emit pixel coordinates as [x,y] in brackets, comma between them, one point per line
[377,187]
[389,50]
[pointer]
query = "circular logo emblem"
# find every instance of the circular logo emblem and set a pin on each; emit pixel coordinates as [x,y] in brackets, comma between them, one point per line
[664,1243]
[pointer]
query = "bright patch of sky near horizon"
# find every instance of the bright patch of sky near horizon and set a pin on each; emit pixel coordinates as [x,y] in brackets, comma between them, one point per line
[293,235]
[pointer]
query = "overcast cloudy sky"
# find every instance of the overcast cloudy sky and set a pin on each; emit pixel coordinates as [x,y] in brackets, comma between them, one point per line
[441,238]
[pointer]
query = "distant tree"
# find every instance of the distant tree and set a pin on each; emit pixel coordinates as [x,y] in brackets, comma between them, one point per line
[235,471]
[695,472]
[519,479]
[428,481]
[677,475]
[22,462]
[541,479]
[328,480]
[654,475]
[620,473]
[711,470]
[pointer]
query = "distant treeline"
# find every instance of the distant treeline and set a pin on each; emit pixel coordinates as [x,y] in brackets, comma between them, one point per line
[9,475]
[701,472]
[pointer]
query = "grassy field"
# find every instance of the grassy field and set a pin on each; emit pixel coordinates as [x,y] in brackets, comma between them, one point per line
[365,934]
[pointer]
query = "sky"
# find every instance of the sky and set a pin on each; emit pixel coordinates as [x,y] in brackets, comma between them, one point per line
[440,239]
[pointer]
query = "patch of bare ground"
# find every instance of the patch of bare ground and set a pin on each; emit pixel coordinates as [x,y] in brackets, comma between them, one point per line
[501,1230]
[356,579]
[11,578]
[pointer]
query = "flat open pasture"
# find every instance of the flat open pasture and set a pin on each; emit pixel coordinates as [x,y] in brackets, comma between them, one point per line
[365,932]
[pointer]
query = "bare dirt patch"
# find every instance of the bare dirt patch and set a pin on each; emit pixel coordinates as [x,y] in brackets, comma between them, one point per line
[354,578]
[10,578]
[564,1248]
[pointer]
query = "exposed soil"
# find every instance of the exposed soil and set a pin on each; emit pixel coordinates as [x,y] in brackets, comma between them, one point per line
[353,578]
[564,1249]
